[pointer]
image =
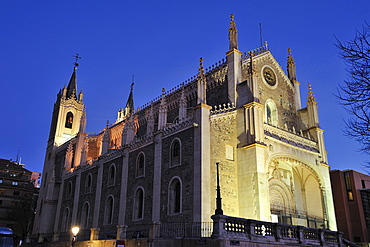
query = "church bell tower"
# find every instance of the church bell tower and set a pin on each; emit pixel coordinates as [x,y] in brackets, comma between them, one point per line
[67,112]
[65,125]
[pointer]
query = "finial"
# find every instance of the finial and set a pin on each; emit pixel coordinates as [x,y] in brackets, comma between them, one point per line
[76,59]
[201,69]
[233,34]
[291,68]
[290,57]
[163,91]
[311,96]
[132,84]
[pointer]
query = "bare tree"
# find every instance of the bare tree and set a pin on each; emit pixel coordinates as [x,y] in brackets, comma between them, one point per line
[355,93]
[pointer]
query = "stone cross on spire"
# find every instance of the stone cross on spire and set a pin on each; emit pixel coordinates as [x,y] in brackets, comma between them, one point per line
[76,58]
[233,34]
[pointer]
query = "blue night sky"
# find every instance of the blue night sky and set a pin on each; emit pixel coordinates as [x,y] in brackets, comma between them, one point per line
[160,42]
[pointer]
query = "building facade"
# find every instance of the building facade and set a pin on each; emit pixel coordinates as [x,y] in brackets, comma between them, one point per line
[18,197]
[351,193]
[157,164]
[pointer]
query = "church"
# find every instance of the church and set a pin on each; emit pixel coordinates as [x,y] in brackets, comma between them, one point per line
[157,164]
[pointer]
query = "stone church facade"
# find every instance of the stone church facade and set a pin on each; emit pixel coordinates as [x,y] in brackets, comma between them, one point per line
[156,164]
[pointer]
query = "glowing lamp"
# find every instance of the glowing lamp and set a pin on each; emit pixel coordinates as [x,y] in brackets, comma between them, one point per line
[75,230]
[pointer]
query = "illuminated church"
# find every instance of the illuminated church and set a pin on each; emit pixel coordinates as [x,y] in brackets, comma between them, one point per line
[157,164]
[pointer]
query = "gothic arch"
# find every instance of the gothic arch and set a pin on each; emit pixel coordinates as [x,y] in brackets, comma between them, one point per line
[88,183]
[271,113]
[112,175]
[295,162]
[175,152]
[66,220]
[109,208]
[85,214]
[140,165]
[175,196]
[295,187]
[138,210]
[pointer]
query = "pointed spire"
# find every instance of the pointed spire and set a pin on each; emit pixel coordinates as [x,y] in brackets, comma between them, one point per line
[129,108]
[182,106]
[150,120]
[202,84]
[72,85]
[162,116]
[83,121]
[105,140]
[291,67]
[311,96]
[69,156]
[233,34]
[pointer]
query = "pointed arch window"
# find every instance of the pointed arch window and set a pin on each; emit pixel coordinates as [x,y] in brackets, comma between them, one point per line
[139,204]
[69,190]
[175,153]
[140,165]
[175,196]
[65,220]
[109,207]
[85,216]
[271,113]
[112,175]
[88,183]
[69,120]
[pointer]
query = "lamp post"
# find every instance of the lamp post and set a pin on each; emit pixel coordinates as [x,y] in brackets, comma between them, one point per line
[75,231]
[218,210]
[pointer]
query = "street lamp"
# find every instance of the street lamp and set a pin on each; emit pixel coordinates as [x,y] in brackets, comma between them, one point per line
[75,231]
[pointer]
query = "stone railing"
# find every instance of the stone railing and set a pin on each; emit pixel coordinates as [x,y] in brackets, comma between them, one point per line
[185,230]
[222,108]
[246,230]
[290,137]
[171,128]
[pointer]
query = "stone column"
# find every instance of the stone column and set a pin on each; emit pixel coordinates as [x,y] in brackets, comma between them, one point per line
[94,233]
[154,229]
[99,184]
[76,197]
[123,192]
[121,232]
[156,204]
[219,221]
[202,160]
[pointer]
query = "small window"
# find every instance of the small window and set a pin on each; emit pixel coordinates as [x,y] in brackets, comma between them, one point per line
[1,181]
[140,165]
[175,153]
[174,196]
[112,175]
[69,120]
[109,206]
[65,220]
[139,204]
[69,190]
[88,183]
[40,207]
[45,180]
[347,180]
[271,113]
[14,183]
[2,191]
[85,216]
